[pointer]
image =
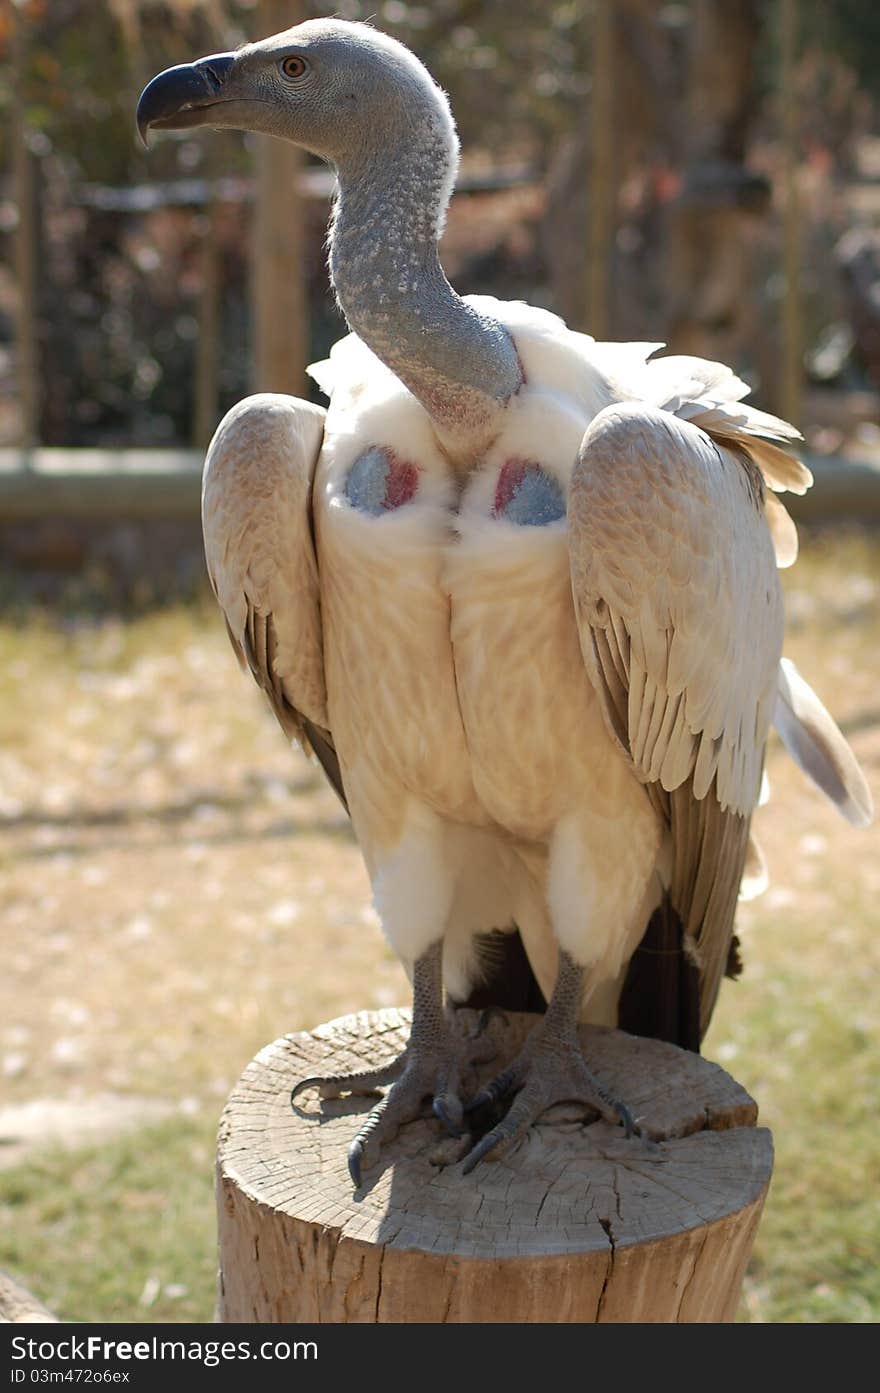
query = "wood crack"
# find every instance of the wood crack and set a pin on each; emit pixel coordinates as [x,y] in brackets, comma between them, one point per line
[693,1272]
[609,1271]
[377,1316]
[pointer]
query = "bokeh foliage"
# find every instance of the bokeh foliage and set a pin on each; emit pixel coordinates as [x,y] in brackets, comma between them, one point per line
[119,284]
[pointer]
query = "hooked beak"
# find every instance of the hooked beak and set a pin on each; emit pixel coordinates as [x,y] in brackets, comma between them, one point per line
[178,97]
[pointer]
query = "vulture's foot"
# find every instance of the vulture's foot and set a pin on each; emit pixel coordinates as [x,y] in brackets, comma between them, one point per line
[549,1069]
[546,1071]
[430,1067]
[430,1070]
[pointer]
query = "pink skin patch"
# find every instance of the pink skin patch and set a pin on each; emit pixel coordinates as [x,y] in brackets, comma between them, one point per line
[513,471]
[401,482]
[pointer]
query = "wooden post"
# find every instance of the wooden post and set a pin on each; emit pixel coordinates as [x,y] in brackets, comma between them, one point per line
[575,1223]
[24,250]
[602,183]
[280,305]
[792,327]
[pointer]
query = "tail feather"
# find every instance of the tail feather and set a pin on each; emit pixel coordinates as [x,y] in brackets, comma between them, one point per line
[661,993]
[755,875]
[816,744]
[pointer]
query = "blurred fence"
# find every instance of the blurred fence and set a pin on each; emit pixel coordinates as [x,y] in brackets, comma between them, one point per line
[639,211]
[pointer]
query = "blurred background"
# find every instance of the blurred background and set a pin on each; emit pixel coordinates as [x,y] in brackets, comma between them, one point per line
[178,886]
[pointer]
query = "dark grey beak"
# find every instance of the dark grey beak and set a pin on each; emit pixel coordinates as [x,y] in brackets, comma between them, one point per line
[175,99]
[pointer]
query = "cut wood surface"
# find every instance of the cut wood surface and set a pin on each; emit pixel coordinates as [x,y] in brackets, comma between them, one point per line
[575,1223]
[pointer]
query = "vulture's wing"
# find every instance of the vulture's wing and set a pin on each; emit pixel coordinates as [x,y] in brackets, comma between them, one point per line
[680,618]
[710,396]
[257,525]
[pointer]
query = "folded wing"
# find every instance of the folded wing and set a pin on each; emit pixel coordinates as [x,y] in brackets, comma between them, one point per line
[259,549]
[680,619]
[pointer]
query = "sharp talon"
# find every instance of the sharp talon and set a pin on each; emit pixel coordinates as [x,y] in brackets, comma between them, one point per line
[355,1156]
[314,1082]
[482,1148]
[626,1117]
[494,1090]
[442,1112]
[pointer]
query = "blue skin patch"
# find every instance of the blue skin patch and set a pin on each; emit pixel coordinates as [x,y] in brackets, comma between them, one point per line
[367,482]
[537,500]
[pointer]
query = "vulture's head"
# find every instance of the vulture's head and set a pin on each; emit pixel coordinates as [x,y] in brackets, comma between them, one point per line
[341,90]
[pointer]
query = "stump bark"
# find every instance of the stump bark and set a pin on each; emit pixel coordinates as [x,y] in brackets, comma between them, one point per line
[574,1223]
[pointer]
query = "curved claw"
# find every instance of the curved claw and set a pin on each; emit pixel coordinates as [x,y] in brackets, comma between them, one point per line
[442,1112]
[355,1157]
[482,1148]
[494,1090]
[614,1106]
[369,1136]
[315,1081]
[629,1127]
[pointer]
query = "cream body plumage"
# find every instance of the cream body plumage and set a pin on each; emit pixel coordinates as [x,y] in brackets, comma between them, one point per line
[450,604]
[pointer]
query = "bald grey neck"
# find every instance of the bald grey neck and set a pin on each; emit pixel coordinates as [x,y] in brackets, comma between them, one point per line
[461,365]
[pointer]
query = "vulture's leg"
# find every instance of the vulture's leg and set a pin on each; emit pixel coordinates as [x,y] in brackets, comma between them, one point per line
[429,1067]
[550,1068]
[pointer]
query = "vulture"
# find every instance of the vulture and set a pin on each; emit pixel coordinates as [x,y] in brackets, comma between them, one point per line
[517,591]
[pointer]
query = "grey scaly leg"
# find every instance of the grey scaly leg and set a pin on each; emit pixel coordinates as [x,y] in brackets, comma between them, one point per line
[550,1068]
[429,1067]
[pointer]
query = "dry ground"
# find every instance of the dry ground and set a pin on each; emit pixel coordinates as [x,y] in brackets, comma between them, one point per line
[179,887]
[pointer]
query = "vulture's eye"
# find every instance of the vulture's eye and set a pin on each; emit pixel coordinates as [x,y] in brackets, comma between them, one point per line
[294,67]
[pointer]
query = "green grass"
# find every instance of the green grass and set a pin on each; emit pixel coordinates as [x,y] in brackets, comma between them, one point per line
[124,1232]
[810,1054]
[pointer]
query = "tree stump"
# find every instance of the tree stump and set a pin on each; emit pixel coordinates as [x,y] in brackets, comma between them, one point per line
[574,1223]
